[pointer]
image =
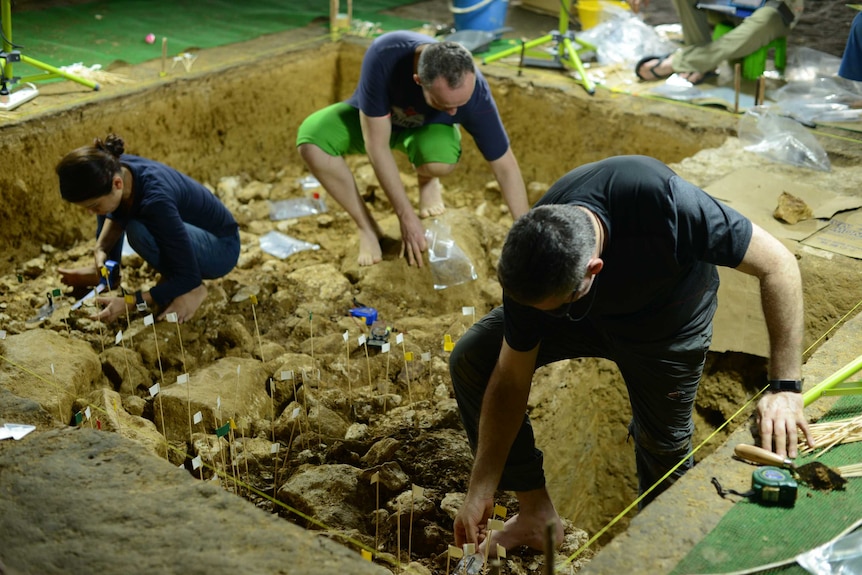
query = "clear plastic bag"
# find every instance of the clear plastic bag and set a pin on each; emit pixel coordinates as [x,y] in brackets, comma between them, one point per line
[450,266]
[842,556]
[296,208]
[280,245]
[781,139]
[822,100]
[624,39]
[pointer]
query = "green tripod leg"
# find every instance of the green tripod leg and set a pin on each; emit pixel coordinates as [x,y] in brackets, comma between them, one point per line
[836,383]
[8,54]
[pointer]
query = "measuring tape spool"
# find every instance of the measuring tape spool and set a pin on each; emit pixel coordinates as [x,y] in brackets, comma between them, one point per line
[774,486]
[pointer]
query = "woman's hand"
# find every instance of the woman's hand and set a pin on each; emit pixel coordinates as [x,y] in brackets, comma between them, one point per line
[114,308]
[186,305]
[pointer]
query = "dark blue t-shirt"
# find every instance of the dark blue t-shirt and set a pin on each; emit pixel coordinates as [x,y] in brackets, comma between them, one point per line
[664,238]
[164,201]
[386,87]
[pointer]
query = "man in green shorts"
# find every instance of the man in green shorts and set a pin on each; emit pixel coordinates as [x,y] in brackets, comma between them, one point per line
[413,95]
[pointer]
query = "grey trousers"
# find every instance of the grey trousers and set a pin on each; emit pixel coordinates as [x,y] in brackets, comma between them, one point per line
[702,54]
[661,377]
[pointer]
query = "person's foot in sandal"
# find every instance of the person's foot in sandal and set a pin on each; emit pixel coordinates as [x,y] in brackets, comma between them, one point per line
[696,78]
[653,68]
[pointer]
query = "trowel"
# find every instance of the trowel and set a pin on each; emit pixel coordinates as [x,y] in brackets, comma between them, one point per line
[815,474]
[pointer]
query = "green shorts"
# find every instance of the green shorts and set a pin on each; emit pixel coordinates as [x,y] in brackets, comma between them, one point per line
[336,130]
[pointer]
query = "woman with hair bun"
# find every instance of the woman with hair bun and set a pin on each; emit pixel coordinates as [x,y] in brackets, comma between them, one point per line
[172,221]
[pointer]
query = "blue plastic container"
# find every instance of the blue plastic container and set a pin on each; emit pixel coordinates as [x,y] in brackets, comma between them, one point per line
[489,15]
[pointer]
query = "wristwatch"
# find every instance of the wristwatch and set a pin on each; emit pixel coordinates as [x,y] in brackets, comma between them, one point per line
[778,385]
[141,304]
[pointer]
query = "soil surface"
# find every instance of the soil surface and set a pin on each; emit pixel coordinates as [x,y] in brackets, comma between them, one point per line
[268,347]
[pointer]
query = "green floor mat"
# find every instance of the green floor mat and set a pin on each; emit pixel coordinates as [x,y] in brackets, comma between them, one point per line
[750,534]
[104,32]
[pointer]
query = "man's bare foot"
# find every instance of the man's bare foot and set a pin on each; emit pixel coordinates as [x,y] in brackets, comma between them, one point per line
[526,531]
[79,277]
[431,199]
[369,249]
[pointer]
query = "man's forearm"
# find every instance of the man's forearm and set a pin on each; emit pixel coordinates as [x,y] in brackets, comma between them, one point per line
[502,415]
[508,175]
[781,297]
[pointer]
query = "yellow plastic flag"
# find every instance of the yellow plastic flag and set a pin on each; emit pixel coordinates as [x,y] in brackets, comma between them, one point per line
[366,554]
[375,478]
[253,299]
[232,423]
[500,511]
[455,552]
[495,525]
[408,356]
[129,299]
[447,343]
[418,491]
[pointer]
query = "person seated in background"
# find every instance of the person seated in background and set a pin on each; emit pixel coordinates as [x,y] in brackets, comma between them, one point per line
[851,62]
[413,94]
[701,55]
[173,222]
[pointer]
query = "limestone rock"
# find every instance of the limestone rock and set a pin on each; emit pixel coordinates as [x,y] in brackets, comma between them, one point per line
[332,494]
[792,209]
[64,369]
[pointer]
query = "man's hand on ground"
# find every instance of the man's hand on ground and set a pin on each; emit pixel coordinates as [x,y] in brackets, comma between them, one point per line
[472,517]
[413,242]
[779,415]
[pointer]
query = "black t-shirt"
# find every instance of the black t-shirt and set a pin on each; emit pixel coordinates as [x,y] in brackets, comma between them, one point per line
[664,238]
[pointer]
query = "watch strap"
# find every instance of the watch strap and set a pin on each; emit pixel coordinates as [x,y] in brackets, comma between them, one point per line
[140,303]
[778,385]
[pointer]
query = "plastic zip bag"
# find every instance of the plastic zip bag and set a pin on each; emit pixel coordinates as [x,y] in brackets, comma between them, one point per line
[450,266]
[280,245]
[781,139]
[296,208]
[842,556]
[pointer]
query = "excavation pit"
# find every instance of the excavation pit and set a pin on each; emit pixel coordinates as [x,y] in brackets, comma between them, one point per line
[231,123]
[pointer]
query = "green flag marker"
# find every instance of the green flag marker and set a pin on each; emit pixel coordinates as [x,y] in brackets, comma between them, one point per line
[56,292]
[20,279]
[223,430]
[79,417]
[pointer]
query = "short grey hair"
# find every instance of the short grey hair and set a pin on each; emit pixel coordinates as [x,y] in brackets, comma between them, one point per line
[450,60]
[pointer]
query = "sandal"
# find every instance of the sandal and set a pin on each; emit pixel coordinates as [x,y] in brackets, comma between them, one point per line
[651,69]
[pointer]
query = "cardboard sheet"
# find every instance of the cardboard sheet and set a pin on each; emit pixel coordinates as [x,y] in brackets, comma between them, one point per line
[739,324]
[755,193]
[843,235]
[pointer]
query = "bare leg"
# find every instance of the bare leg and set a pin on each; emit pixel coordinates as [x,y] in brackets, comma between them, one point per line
[430,190]
[529,526]
[335,176]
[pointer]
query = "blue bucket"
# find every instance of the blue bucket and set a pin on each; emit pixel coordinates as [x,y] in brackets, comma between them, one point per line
[489,15]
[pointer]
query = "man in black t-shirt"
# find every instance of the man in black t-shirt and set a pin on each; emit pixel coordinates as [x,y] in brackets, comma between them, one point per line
[617,260]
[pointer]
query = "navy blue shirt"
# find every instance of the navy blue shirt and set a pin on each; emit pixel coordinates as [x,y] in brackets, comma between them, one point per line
[164,201]
[386,86]
[664,238]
